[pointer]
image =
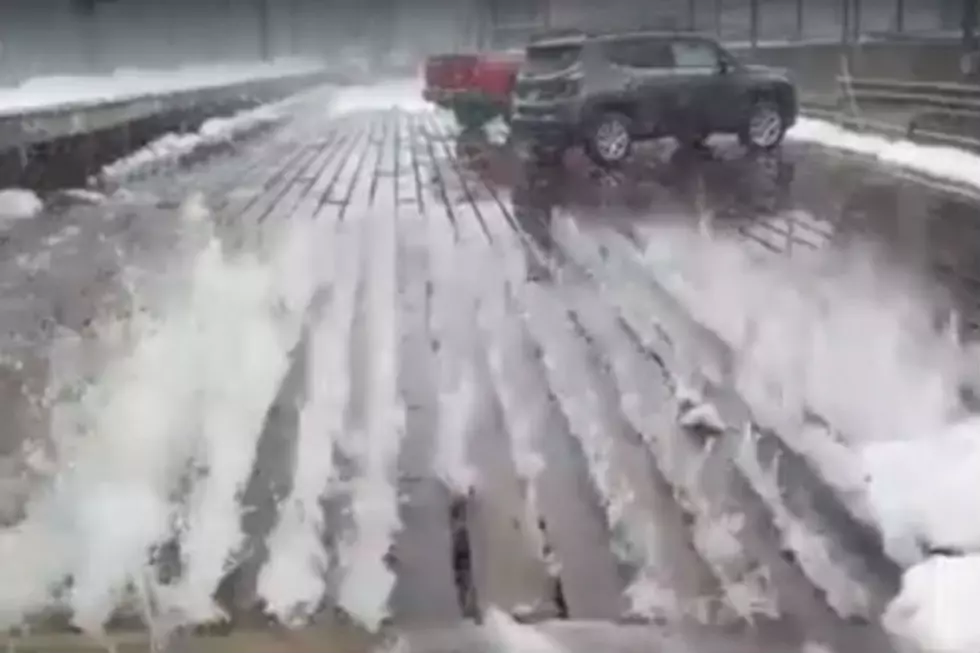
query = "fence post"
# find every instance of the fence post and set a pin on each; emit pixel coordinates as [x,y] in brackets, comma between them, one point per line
[856,32]
[86,19]
[262,9]
[692,15]
[845,22]
[718,18]
[799,20]
[754,23]
[295,21]
[900,16]
[481,22]
[968,23]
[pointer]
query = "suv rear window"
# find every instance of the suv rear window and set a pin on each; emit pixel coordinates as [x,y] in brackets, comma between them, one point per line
[551,58]
[694,54]
[640,53]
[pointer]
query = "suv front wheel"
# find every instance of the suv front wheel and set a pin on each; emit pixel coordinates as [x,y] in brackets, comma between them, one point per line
[765,127]
[609,139]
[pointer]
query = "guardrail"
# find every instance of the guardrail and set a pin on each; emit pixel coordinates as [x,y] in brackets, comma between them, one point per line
[943,113]
[60,146]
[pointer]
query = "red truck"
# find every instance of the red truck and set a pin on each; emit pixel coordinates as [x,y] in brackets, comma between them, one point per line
[475,87]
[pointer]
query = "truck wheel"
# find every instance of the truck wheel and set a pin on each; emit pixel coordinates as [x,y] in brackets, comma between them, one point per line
[765,127]
[609,139]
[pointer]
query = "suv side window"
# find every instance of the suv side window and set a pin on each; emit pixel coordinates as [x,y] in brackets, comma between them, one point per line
[694,54]
[640,53]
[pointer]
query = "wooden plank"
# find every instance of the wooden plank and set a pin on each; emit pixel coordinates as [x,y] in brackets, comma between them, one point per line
[272,476]
[570,636]
[509,570]
[335,637]
[249,211]
[425,591]
[650,523]
[351,152]
[355,215]
[575,527]
[665,553]
[574,523]
[508,565]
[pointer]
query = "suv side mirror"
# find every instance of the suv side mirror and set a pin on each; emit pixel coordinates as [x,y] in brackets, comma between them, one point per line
[723,67]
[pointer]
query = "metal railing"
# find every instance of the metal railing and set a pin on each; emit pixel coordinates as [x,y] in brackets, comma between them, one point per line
[762,22]
[936,112]
[848,21]
[914,94]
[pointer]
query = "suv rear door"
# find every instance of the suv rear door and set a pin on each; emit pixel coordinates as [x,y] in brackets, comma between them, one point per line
[545,71]
[708,92]
[647,66]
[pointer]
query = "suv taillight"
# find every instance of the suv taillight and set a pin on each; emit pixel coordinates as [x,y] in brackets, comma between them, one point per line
[567,87]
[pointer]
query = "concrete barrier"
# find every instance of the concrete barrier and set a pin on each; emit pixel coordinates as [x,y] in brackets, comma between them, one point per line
[816,66]
[62,146]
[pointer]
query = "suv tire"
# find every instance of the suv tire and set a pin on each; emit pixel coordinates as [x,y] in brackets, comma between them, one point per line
[765,127]
[609,139]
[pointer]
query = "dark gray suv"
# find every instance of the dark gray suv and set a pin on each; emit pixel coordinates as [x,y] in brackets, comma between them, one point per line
[606,91]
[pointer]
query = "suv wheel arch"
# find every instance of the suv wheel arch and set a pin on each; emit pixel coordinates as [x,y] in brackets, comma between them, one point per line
[766,120]
[608,137]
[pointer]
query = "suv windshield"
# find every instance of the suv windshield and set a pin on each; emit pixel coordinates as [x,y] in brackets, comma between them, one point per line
[551,58]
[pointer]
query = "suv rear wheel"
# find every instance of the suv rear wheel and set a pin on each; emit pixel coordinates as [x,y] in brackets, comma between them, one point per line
[609,140]
[765,127]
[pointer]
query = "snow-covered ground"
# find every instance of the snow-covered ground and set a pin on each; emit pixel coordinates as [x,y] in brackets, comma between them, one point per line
[942,163]
[162,437]
[18,204]
[856,342]
[118,450]
[846,337]
[173,149]
[404,94]
[128,83]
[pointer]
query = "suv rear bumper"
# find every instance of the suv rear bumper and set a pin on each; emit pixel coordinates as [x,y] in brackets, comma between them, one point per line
[553,125]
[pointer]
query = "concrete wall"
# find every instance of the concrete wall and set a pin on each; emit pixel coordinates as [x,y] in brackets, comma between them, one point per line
[778,20]
[44,37]
[817,66]
[821,19]
[619,13]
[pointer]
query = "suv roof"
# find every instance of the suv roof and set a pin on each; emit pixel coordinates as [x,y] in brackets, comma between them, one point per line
[574,36]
